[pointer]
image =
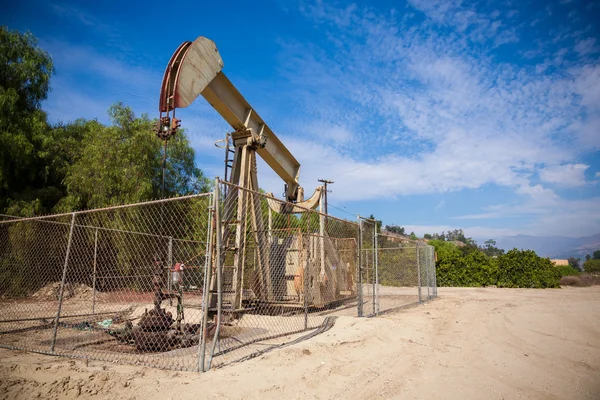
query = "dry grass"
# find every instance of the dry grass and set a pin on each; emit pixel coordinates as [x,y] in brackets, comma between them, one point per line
[583,280]
[570,281]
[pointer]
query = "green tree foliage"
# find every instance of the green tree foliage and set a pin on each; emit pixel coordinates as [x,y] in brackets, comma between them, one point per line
[122,163]
[567,270]
[596,255]
[574,263]
[399,230]
[476,268]
[490,248]
[427,236]
[524,268]
[25,72]
[82,164]
[591,265]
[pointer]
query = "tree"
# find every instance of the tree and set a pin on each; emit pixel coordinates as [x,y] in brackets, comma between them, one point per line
[574,262]
[122,163]
[25,72]
[491,250]
[591,265]
[413,236]
[378,222]
[399,230]
[587,257]
[427,236]
[596,255]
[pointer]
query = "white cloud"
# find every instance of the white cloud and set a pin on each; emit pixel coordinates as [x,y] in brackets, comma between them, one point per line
[428,114]
[586,46]
[565,175]
[431,113]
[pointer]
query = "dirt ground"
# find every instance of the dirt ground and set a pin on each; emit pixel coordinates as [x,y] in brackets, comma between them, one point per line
[468,344]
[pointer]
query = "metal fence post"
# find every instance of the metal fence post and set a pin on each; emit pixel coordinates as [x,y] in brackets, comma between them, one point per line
[169,266]
[94,273]
[434,274]
[435,289]
[219,268]
[206,283]
[374,277]
[62,284]
[419,273]
[427,277]
[359,267]
[376,296]
[305,289]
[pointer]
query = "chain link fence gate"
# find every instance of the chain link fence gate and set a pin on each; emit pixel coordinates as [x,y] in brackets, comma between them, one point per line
[367,306]
[197,282]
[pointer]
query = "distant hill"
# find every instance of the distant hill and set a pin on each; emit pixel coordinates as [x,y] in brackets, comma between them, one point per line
[552,246]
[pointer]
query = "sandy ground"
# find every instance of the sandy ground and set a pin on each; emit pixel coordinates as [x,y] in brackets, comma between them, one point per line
[468,344]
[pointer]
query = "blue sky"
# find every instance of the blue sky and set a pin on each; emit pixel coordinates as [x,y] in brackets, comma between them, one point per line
[432,115]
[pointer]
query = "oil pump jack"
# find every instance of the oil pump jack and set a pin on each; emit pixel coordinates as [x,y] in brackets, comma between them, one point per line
[196,69]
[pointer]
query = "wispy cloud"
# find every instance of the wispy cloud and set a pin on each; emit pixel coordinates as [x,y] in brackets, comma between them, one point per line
[451,119]
[81,69]
[586,46]
[566,175]
[431,113]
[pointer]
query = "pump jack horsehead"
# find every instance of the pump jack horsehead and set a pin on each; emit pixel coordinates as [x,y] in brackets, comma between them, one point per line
[196,69]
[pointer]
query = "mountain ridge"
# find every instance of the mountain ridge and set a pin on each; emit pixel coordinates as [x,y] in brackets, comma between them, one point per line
[552,246]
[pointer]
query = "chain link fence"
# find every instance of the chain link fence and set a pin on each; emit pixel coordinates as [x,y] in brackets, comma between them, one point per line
[199,281]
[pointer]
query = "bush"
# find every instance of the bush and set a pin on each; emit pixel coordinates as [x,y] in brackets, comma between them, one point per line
[517,268]
[591,265]
[567,270]
[525,269]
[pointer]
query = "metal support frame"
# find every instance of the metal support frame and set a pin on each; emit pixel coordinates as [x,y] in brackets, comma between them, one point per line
[62,284]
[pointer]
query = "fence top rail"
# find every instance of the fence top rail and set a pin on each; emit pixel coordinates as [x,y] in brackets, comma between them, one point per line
[394,238]
[353,223]
[99,228]
[122,206]
[422,246]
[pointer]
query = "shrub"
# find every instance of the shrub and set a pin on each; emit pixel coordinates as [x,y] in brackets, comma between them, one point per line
[517,268]
[591,265]
[525,269]
[567,270]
